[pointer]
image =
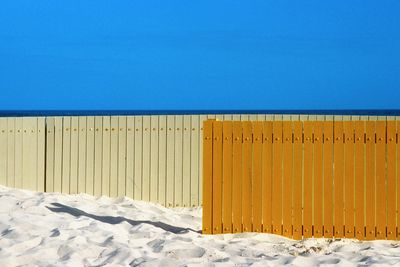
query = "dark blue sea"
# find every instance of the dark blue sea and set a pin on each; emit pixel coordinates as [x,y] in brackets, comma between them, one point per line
[20,113]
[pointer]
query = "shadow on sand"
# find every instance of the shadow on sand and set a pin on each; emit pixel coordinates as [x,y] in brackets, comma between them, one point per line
[116,220]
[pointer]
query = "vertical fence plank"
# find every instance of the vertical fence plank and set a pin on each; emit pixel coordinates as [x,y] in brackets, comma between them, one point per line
[11,148]
[267,177]
[318,179]
[186,161]
[98,156]
[162,159]
[247,176]
[82,155]
[201,119]
[217,178]
[236,177]
[41,157]
[29,166]
[171,162]
[370,180]
[154,155]
[130,155]
[194,161]
[328,178]
[19,152]
[349,178]
[391,180]
[121,188]
[110,155]
[138,157]
[338,179]
[90,144]
[178,199]
[257,176]
[74,156]
[277,178]
[359,179]
[208,177]
[146,159]
[380,179]
[3,151]
[58,136]
[287,178]
[66,155]
[308,179]
[227,177]
[398,176]
[297,179]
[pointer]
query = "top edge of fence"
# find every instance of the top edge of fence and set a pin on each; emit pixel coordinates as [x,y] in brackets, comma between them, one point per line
[55,113]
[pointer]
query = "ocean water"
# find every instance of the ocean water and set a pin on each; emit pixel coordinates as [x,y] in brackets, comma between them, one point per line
[20,113]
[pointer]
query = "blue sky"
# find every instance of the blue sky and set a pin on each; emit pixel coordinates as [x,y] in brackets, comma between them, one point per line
[206,55]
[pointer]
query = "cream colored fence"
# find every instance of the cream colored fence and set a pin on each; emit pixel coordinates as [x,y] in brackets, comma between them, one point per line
[155,158]
[22,153]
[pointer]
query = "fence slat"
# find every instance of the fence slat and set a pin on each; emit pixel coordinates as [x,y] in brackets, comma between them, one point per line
[171,162]
[398,177]
[90,155]
[217,177]
[41,157]
[208,177]
[110,156]
[257,176]
[98,155]
[138,157]
[122,147]
[130,156]
[338,179]
[328,179]
[201,119]
[308,182]
[178,184]
[11,148]
[380,162]
[146,159]
[194,161]
[19,152]
[247,176]
[82,155]
[370,180]
[297,179]
[277,178]
[162,159]
[227,177]
[3,151]
[391,180]
[287,178]
[154,155]
[236,178]
[66,155]
[359,179]
[186,161]
[349,178]
[73,189]
[318,179]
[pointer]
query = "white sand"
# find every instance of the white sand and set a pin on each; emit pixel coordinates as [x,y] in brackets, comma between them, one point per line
[39,229]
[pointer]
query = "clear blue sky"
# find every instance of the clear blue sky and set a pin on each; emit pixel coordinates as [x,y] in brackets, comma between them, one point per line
[143,55]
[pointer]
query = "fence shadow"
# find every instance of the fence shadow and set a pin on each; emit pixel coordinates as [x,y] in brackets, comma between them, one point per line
[116,220]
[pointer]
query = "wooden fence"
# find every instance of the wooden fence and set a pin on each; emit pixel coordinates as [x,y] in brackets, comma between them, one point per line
[302,179]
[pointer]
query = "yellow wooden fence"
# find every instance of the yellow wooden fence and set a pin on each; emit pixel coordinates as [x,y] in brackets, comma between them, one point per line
[302,179]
